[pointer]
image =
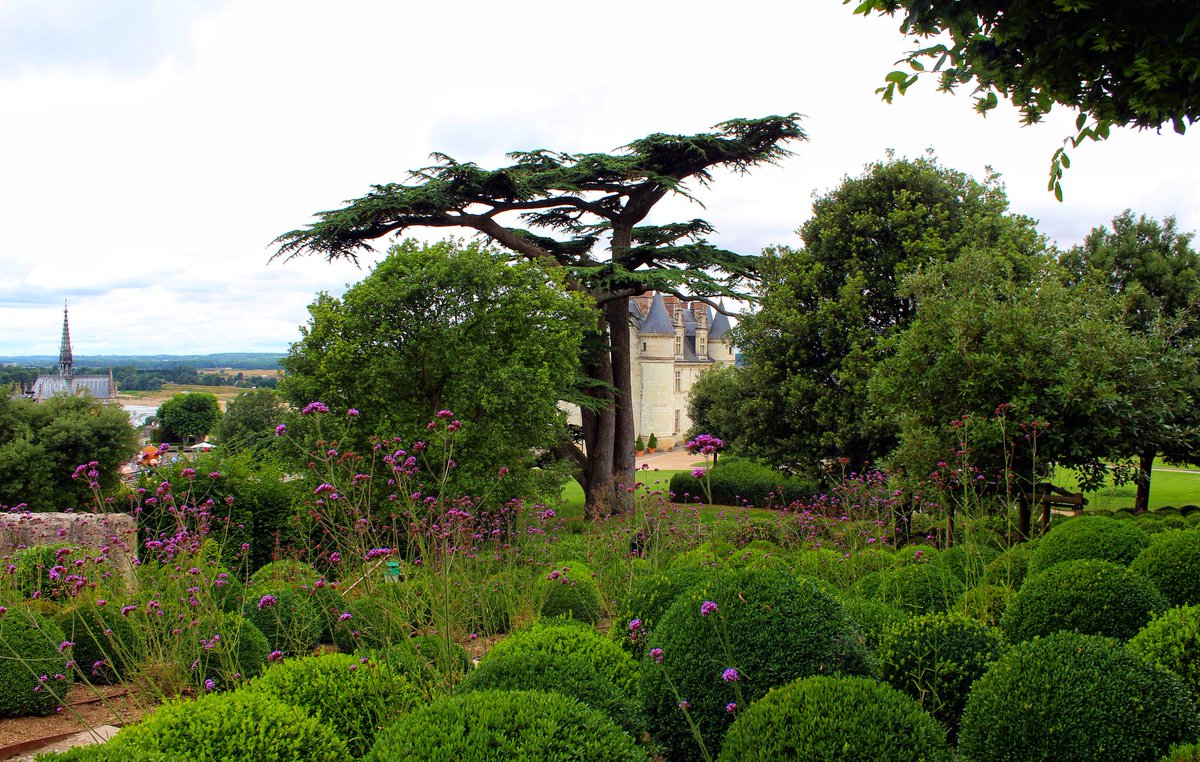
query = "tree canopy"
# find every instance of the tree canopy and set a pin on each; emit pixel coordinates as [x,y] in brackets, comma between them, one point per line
[827,309]
[1116,63]
[42,443]
[582,213]
[448,326]
[1153,269]
[189,415]
[248,424]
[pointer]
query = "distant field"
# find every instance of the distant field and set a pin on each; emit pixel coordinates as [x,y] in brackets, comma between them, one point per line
[232,372]
[223,393]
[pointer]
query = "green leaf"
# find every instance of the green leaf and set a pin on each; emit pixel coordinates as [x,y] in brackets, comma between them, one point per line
[1058,194]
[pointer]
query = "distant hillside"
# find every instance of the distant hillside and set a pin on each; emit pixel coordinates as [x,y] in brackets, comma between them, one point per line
[237,360]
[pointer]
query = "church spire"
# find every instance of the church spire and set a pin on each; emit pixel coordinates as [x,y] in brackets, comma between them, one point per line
[66,363]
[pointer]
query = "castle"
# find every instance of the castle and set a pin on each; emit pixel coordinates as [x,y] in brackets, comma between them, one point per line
[673,341]
[66,382]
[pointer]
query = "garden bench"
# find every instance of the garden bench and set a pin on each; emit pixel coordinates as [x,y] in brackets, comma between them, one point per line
[1050,499]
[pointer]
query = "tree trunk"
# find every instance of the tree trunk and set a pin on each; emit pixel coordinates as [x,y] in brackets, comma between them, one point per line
[1141,503]
[624,459]
[599,437]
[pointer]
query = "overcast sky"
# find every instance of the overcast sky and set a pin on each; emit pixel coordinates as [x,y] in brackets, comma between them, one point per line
[150,150]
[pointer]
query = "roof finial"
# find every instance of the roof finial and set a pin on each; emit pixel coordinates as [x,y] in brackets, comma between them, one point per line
[66,363]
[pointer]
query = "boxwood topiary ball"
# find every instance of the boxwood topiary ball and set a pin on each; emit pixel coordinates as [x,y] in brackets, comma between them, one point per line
[1074,698]
[920,588]
[569,589]
[285,573]
[1089,597]
[1172,562]
[568,636]
[768,626]
[935,658]
[1172,641]
[986,603]
[34,671]
[235,725]
[871,618]
[648,602]
[506,725]
[1097,537]
[855,719]
[1010,567]
[106,647]
[355,696]
[968,562]
[565,673]
[289,618]
[229,651]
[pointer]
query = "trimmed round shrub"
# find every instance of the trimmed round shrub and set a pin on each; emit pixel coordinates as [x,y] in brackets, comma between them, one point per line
[568,674]
[34,670]
[871,618]
[285,573]
[446,658]
[986,603]
[1172,641]
[376,621]
[234,725]
[920,588]
[968,562]
[570,590]
[867,586]
[354,696]
[935,658]
[650,599]
[483,726]
[738,481]
[1010,567]
[1172,562]
[228,591]
[568,636]
[106,647]
[767,625]
[855,719]
[229,651]
[288,617]
[1089,537]
[1074,698]
[1088,597]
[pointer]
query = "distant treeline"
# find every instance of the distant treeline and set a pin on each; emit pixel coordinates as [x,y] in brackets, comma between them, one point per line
[149,373]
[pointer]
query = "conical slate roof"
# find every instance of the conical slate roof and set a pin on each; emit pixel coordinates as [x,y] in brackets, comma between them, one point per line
[656,320]
[719,326]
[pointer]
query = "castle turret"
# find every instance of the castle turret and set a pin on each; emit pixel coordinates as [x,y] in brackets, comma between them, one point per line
[659,339]
[702,322]
[719,347]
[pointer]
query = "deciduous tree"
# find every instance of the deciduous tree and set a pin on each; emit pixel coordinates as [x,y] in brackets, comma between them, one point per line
[190,415]
[583,213]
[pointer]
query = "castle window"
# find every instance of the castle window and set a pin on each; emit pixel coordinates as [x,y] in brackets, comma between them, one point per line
[643,346]
[679,346]
[702,346]
[676,422]
[678,383]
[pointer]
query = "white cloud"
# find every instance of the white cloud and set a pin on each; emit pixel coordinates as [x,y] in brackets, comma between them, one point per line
[153,151]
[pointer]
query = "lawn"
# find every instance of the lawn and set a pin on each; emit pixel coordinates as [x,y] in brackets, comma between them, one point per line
[572,498]
[1169,485]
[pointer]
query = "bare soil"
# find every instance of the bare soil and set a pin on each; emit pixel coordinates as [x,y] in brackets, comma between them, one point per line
[86,708]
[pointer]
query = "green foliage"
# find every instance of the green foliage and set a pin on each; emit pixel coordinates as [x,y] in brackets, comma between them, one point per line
[1172,562]
[376,620]
[1087,596]
[565,673]
[986,603]
[291,622]
[920,588]
[355,697]
[1188,752]
[483,726]
[738,481]
[286,573]
[569,590]
[835,718]
[29,651]
[1010,567]
[1172,641]
[1138,71]
[827,310]
[568,636]
[106,647]
[33,565]
[421,333]
[968,562]
[191,415]
[42,443]
[761,615]
[249,422]
[1074,698]
[652,442]
[713,404]
[238,652]
[935,659]
[649,600]
[444,656]
[237,725]
[1095,537]
[871,618]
